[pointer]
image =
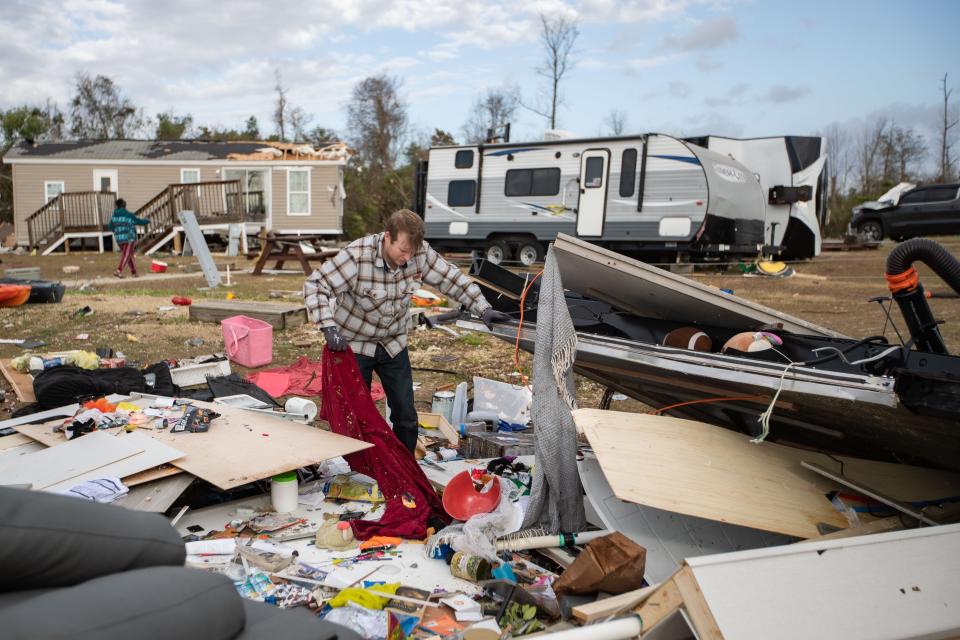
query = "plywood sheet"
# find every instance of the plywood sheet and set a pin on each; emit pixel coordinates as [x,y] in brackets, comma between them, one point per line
[154,453]
[13,440]
[280,316]
[240,447]
[156,496]
[22,383]
[648,291]
[701,470]
[72,459]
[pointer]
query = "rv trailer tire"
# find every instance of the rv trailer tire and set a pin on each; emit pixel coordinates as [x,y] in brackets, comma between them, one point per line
[497,251]
[529,253]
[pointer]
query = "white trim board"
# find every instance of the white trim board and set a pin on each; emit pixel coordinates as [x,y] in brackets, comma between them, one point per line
[69,460]
[901,584]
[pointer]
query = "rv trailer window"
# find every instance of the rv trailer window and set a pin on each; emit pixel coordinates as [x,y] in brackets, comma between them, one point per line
[463,159]
[532,182]
[593,176]
[628,172]
[461,193]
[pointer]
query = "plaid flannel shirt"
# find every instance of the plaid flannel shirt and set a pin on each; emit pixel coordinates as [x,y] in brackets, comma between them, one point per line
[371,302]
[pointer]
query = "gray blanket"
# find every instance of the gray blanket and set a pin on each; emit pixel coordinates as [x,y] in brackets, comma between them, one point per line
[556,501]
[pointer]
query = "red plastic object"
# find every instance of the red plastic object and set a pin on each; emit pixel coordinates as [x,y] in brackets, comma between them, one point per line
[462,501]
[158,267]
[183,301]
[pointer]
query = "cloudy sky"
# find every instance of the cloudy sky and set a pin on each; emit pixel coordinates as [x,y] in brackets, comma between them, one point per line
[729,67]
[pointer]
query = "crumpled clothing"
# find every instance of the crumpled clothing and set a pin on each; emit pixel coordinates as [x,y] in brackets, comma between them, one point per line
[99,490]
[364,597]
[348,407]
[306,379]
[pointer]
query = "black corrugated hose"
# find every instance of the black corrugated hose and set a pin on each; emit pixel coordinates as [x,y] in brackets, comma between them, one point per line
[928,252]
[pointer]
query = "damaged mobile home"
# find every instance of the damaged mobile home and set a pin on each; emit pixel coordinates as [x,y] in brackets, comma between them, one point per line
[653,194]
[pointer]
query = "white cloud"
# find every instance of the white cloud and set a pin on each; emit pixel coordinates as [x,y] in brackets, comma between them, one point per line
[711,34]
[640,64]
[781,93]
[679,89]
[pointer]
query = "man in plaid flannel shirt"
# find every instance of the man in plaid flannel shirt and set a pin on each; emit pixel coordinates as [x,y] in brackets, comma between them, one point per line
[361,298]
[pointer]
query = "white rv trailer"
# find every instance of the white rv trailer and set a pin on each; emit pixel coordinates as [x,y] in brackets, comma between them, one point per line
[653,195]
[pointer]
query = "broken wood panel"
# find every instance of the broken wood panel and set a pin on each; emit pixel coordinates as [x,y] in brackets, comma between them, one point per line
[22,383]
[154,453]
[280,316]
[156,496]
[901,584]
[593,611]
[651,292]
[240,447]
[13,440]
[70,460]
[698,469]
[150,475]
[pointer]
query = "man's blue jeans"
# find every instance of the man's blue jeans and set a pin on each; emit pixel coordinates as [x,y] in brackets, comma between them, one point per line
[396,376]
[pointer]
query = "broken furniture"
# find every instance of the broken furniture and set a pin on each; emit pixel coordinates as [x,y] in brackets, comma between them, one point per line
[285,248]
[85,570]
[817,389]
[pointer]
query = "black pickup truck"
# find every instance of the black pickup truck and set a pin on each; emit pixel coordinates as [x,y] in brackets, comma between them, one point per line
[930,210]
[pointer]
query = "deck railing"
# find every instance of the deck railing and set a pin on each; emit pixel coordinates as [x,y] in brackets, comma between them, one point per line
[71,211]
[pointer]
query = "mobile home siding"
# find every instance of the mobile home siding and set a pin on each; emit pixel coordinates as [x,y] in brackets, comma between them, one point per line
[324,201]
[136,184]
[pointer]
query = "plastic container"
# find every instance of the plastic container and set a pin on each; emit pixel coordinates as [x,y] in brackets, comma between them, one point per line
[284,492]
[249,342]
[158,267]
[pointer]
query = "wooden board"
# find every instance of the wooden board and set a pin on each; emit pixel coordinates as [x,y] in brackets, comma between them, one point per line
[154,454]
[701,470]
[156,496]
[13,440]
[280,316]
[59,464]
[240,447]
[652,292]
[593,611]
[901,584]
[150,475]
[22,383]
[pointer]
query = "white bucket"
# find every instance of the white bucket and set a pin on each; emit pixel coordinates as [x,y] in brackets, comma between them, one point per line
[443,404]
[301,406]
[284,492]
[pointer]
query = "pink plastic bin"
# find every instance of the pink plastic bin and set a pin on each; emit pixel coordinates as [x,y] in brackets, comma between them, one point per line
[249,341]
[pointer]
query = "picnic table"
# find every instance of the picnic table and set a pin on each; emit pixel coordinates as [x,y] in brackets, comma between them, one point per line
[283,248]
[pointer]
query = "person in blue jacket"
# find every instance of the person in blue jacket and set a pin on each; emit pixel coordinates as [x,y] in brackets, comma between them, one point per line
[123,225]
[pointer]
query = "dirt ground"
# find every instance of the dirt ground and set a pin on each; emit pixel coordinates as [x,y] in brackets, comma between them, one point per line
[132,315]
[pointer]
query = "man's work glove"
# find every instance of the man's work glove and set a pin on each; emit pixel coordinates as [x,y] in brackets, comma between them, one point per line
[491,315]
[335,341]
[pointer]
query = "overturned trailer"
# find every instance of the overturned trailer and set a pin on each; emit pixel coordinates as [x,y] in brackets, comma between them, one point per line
[816,388]
[653,195]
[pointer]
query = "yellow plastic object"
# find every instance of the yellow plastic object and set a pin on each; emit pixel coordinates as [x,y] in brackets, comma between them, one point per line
[84,359]
[363,597]
[127,406]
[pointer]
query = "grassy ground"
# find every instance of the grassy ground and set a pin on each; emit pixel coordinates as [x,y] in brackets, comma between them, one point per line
[831,290]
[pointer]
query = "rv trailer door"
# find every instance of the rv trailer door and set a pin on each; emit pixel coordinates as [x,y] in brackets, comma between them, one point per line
[594,167]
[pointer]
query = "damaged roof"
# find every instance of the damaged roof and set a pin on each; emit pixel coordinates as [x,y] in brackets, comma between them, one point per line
[169,150]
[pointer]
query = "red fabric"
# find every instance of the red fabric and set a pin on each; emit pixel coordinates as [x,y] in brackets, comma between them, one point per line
[349,409]
[305,379]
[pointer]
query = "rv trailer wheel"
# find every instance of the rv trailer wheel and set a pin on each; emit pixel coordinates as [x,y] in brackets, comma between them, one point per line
[498,251]
[529,253]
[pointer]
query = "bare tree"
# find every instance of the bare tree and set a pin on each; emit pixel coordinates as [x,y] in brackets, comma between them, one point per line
[869,146]
[298,120]
[377,120]
[492,110]
[280,107]
[841,160]
[558,36]
[946,154]
[901,149]
[616,122]
[100,110]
